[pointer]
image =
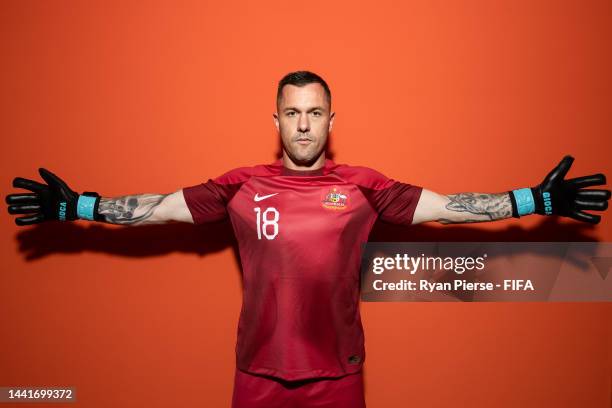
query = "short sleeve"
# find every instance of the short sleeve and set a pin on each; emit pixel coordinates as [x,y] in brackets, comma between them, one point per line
[397,202]
[207,202]
[393,201]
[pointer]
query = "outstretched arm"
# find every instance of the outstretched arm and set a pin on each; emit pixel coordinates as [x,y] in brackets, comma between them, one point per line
[56,201]
[144,209]
[462,207]
[554,196]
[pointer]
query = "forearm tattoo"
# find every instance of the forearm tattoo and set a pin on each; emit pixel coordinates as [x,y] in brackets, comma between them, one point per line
[130,209]
[478,207]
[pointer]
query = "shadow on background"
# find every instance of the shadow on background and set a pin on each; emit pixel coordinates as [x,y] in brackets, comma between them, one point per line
[549,229]
[49,238]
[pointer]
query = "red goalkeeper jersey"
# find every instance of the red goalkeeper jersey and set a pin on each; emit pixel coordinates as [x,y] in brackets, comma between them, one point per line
[300,234]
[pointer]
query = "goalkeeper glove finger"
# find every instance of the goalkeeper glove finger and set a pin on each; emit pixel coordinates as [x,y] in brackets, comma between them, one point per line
[53,201]
[567,198]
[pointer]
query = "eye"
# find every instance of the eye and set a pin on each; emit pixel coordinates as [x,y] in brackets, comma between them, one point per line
[290,113]
[316,113]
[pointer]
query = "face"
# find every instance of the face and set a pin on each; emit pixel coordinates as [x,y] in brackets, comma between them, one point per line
[304,120]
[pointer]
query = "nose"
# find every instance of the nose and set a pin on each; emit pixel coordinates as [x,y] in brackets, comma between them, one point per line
[303,123]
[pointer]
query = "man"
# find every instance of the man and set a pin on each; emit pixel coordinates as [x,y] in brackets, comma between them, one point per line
[300,222]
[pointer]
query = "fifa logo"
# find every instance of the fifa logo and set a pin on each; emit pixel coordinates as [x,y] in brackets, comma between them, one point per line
[335,199]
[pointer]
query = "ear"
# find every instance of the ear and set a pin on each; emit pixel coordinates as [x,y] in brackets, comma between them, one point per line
[331,120]
[275,116]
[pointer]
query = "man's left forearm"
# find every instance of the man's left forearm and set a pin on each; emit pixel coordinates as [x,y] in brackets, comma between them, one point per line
[475,207]
[554,196]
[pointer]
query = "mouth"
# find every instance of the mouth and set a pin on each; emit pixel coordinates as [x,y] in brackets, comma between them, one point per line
[303,141]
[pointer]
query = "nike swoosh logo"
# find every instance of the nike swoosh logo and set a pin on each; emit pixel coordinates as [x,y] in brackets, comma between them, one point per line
[259,198]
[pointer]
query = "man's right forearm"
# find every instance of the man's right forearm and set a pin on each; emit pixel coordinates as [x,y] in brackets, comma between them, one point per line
[131,209]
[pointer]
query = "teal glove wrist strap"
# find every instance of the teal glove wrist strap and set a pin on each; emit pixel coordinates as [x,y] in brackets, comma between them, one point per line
[85,207]
[525,203]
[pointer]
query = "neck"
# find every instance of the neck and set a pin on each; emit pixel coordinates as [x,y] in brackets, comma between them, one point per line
[315,165]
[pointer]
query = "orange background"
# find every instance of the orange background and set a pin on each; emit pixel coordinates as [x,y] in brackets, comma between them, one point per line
[133,97]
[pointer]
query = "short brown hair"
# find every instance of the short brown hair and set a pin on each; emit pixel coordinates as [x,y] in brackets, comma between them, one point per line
[301,78]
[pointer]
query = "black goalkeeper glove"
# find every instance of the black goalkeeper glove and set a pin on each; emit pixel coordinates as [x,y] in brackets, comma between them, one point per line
[54,201]
[567,198]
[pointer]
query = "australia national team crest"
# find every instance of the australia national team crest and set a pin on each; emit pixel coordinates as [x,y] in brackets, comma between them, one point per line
[335,199]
